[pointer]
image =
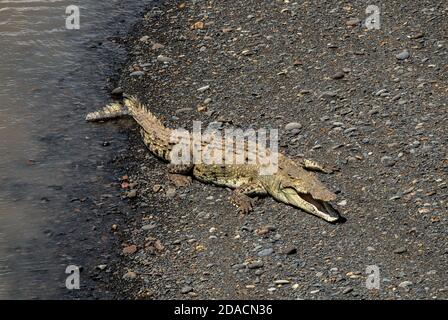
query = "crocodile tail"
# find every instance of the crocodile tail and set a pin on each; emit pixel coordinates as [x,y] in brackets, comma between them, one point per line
[110,111]
[155,135]
[142,115]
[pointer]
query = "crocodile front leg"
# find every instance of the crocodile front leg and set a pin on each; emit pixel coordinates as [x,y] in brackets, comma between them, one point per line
[178,174]
[240,196]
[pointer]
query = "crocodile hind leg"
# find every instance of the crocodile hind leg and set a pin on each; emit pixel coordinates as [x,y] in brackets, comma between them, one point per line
[178,174]
[240,196]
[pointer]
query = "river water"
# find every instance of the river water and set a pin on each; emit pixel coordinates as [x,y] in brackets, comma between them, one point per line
[49,78]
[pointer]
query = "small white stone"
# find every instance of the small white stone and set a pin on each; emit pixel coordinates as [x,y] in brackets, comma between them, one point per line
[281,282]
[405,284]
[293,126]
[202,89]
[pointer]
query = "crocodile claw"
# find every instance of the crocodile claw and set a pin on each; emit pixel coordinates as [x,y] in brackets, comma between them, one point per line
[242,202]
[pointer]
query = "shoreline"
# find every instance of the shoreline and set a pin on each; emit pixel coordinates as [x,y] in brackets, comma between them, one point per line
[86,236]
[54,166]
[268,66]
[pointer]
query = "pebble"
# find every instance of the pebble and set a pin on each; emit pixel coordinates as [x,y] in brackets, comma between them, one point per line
[347,290]
[186,289]
[202,89]
[131,194]
[353,22]
[130,249]
[388,161]
[282,281]
[291,250]
[337,124]
[417,35]
[170,192]
[262,231]
[181,110]
[164,59]
[118,91]
[207,101]
[239,266]
[130,275]
[293,126]
[137,74]
[328,94]
[380,92]
[265,252]
[353,274]
[400,250]
[405,284]
[144,38]
[198,25]
[403,55]
[157,188]
[338,75]
[255,265]
[349,130]
[157,46]
[148,227]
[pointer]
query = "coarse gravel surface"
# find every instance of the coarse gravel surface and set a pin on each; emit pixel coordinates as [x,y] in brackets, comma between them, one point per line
[371,103]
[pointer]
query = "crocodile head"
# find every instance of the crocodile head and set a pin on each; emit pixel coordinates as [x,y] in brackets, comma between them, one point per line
[298,187]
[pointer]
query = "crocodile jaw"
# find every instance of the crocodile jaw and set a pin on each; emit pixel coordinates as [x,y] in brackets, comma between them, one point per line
[306,202]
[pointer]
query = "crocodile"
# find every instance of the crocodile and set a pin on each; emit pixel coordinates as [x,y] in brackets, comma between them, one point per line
[293,183]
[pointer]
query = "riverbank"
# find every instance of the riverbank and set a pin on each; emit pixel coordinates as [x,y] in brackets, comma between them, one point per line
[371,103]
[54,167]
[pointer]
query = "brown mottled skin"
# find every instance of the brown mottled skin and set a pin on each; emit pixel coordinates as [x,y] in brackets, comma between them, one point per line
[293,182]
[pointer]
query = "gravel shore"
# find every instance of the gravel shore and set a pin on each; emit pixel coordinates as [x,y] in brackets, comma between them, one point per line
[371,103]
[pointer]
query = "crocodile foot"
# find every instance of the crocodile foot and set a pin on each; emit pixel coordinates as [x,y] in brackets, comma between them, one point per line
[243,202]
[179,180]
